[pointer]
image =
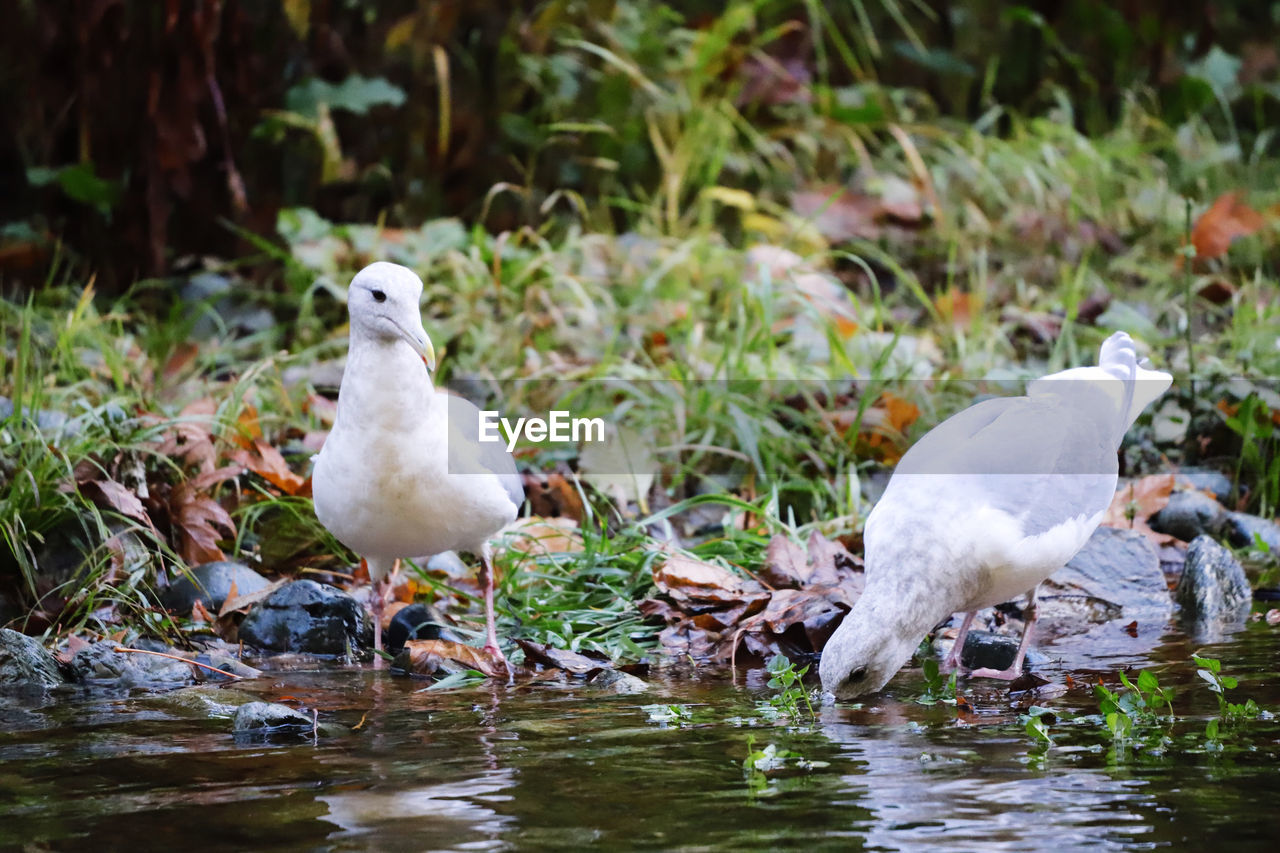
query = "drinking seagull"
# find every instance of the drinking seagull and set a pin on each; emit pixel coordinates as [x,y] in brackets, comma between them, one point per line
[987,505]
[403,473]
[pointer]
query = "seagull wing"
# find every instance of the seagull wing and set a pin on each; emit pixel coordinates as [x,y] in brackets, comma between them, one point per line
[1042,460]
[469,455]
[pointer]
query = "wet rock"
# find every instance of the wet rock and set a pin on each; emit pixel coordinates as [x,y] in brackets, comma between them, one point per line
[1109,607]
[618,683]
[1241,530]
[1188,515]
[1116,575]
[417,622]
[1208,480]
[211,583]
[203,701]
[101,664]
[1213,590]
[24,663]
[270,716]
[310,617]
[996,651]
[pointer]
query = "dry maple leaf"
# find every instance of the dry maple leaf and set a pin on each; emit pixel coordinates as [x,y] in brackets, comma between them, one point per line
[269,464]
[1143,498]
[1227,219]
[199,523]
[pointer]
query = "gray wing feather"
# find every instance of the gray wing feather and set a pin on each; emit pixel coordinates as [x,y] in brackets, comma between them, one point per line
[469,455]
[1042,459]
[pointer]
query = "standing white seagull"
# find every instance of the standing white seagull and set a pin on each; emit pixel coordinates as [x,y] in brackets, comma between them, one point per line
[987,505]
[402,473]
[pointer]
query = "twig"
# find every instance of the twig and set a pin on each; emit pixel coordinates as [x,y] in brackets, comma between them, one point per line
[177,658]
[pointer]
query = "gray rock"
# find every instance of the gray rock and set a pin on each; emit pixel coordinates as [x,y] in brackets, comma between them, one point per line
[270,716]
[305,616]
[47,421]
[203,701]
[1240,528]
[101,664]
[996,651]
[1116,575]
[24,663]
[1109,607]
[1213,590]
[620,683]
[1188,515]
[210,583]
[1208,480]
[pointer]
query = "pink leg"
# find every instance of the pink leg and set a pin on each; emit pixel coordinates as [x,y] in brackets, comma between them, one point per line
[1015,669]
[490,620]
[952,660]
[378,606]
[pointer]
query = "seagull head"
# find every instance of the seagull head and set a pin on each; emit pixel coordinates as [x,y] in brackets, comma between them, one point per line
[383,304]
[860,659]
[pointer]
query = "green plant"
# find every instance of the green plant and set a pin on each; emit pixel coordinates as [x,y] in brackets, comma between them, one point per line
[1253,421]
[1211,672]
[1139,703]
[937,687]
[769,762]
[1038,721]
[788,681]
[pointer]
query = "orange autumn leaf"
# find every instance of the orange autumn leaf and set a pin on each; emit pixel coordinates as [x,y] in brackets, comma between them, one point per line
[901,413]
[956,307]
[1228,218]
[1143,498]
[268,463]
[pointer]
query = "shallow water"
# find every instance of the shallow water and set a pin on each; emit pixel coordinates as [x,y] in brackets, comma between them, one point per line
[562,766]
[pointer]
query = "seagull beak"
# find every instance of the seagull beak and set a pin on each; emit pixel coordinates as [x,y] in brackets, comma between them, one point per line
[421,343]
[427,351]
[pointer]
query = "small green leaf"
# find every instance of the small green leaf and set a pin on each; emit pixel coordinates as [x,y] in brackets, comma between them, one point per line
[1147,682]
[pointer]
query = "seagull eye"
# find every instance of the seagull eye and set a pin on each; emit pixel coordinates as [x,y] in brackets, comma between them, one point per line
[379,296]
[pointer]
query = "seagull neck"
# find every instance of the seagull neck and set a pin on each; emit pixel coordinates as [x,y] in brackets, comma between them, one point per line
[903,603]
[393,383]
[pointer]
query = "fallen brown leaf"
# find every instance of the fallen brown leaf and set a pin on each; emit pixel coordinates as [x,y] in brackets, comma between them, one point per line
[199,523]
[552,495]
[269,464]
[1143,497]
[549,656]
[427,657]
[109,494]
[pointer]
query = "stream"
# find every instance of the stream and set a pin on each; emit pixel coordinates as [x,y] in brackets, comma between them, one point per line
[563,765]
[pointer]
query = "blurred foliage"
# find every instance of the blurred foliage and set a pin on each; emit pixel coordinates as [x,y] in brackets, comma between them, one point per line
[129,126]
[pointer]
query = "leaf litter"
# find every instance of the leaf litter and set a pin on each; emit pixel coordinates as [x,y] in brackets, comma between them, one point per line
[791,606]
